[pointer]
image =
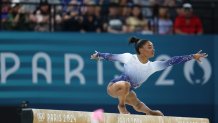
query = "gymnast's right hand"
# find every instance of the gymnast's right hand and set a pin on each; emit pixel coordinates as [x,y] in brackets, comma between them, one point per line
[95,56]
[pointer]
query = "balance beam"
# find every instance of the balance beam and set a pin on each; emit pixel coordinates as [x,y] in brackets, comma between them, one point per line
[64,116]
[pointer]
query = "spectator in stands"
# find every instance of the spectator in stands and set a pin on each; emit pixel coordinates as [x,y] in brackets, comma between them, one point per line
[172,4]
[31,5]
[114,22]
[66,3]
[72,21]
[125,7]
[57,7]
[90,22]
[19,20]
[162,24]
[147,4]
[28,7]
[174,7]
[188,23]
[98,5]
[137,23]
[40,17]
[5,15]
[127,10]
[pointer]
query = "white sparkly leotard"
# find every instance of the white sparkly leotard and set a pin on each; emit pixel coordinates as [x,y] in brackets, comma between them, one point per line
[136,72]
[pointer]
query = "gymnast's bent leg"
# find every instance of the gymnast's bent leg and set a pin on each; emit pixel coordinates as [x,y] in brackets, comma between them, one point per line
[119,90]
[139,106]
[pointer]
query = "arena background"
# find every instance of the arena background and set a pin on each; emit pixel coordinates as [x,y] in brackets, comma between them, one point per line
[53,70]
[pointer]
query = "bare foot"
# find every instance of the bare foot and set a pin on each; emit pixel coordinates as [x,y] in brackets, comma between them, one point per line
[122,109]
[156,113]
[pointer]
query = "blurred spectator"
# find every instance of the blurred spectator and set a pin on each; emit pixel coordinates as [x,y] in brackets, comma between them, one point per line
[66,3]
[114,23]
[5,15]
[162,24]
[127,10]
[136,22]
[147,6]
[114,16]
[72,21]
[125,7]
[19,19]
[171,4]
[178,9]
[96,4]
[90,22]
[188,23]
[57,5]
[40,17]
[30,5]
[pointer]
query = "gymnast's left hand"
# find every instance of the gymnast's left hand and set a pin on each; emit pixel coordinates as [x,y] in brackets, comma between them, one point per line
[199,55]
[94,56]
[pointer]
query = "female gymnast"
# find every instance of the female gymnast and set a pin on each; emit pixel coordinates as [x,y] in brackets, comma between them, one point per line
[137,69]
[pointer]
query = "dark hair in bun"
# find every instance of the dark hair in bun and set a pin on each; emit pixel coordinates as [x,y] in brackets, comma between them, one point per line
[133,40]
[138,43]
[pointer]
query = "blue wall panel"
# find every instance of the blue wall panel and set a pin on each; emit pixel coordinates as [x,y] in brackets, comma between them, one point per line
[184,86]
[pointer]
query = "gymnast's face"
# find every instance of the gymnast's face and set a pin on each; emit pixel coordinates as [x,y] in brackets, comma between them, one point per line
[147,50]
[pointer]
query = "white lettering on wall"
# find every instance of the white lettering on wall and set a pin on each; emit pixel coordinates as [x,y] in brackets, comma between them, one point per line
[36,70]
[77,71]
[4,71]
[100,72]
